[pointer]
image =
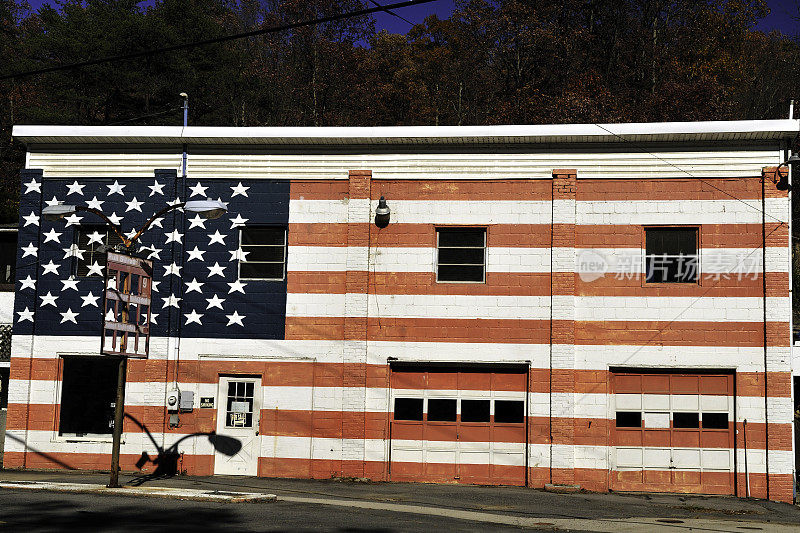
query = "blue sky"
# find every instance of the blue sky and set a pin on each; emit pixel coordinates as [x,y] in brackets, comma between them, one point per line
[778,19]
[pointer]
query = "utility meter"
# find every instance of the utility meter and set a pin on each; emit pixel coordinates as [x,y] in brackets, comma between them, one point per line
[173,401]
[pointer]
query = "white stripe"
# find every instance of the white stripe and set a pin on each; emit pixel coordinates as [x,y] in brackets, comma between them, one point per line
[727,211]
[675,308]
[735,263]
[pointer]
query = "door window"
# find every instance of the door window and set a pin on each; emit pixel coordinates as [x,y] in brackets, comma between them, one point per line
[239,407]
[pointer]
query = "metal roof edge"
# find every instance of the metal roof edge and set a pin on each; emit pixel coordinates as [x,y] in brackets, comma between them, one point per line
[581,133]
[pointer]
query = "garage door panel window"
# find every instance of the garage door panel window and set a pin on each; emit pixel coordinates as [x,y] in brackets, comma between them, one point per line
[475,410]
[441,410]
[715,421]
[509,411]
[629,419]
[686,420]
[408,409]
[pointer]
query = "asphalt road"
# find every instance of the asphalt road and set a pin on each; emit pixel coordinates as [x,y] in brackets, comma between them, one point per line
[27,511]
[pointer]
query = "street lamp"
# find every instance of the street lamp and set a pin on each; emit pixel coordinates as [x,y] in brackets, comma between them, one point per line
[207,208]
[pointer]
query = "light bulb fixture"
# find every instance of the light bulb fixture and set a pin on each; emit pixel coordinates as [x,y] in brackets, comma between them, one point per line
[783,179]
[382,213]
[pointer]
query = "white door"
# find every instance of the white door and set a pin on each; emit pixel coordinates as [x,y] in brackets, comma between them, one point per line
[239,407]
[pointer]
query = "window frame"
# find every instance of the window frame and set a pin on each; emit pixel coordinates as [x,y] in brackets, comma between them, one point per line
[58,435]
[485,247]
[698,245]
[285,252]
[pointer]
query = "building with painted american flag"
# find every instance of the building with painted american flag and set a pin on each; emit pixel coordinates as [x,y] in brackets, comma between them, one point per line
[605,306]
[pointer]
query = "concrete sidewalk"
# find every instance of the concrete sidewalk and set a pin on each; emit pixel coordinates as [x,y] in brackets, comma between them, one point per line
[514,506]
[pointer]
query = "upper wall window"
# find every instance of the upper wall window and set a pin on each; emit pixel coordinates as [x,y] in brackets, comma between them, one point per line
[671,255]
[263,253]
[461,254]
[8,259]
[92,241]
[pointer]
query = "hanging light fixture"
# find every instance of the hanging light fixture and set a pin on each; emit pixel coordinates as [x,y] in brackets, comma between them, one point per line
[382,213]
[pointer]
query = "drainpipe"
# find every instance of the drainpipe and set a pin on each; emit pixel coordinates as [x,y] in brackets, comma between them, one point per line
[764,307]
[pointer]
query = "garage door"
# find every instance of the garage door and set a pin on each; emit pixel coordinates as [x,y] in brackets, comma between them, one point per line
[673,432]
[459,425]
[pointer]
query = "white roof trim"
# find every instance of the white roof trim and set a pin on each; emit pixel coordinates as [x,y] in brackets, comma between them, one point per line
[555,133]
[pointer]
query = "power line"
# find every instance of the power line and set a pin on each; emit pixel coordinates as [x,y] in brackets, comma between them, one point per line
[215,40]
[392,13]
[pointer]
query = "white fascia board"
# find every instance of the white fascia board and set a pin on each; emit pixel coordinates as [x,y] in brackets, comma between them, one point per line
[667,131]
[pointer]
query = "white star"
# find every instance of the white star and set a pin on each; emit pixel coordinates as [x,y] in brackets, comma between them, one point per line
[176,201]
[194,285]
[116,188]
[73,220]
[195,254]
[24,315]
[217,237]
[131,234]
[236,286]
[96,236]
[197,222]
[90,299]
[157,223]
[175,236]
[110,316]
[171,301]
[75,188]
[29,250]
[54,201]
[73,251]
[50,268]
[198,190]
[156,188]
[194,316]
[214,301]
[28,283]
[238,221]
[95,203]
[235,318]
[33,218]
[68,316]
[48,299]
[52,235]
[172,269]
[154,286]
[95,269]
[33,186]
[216,270]
[239,189]
[153,317]
[69,283]
[115,218]
[238,255]
[134,205]
[154,252]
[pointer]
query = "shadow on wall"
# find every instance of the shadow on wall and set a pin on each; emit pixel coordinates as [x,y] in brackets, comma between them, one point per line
[166,462]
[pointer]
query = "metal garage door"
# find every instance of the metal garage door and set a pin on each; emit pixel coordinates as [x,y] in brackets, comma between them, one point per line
[673,432]
[459,425]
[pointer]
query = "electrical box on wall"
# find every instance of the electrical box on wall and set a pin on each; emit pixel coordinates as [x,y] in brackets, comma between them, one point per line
[173,401]
[186,401]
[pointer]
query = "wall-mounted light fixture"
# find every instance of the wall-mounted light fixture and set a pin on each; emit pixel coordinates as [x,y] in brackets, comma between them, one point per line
[382,213]
[783,179]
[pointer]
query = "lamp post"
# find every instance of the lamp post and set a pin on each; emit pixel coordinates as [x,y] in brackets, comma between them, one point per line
[205,208]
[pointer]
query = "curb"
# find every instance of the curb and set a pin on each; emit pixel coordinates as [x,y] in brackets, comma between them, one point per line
[153,492]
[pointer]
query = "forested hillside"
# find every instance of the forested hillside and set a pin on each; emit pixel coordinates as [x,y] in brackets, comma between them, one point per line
[500,62]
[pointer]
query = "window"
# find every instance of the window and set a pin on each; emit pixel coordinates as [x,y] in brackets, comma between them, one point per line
[263,253]
[441,410]
[686,420]
[461,254]
[8,259]
[239,407]
[408,409]
[91,242]
[88,393]
[629,419]
[715,420]
[474,410]
[509,412]
[671,255]
[4,388]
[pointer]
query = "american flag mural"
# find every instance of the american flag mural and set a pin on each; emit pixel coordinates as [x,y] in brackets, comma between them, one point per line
[541,308]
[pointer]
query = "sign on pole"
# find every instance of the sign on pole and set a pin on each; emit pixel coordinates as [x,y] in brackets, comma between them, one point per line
[126,323]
